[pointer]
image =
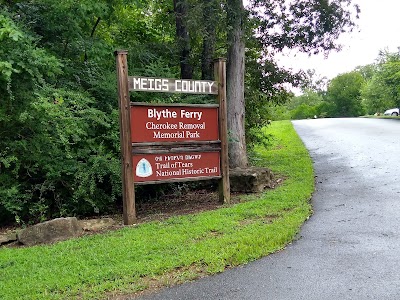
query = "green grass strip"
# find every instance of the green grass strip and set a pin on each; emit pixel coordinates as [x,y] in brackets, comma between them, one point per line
[173,250]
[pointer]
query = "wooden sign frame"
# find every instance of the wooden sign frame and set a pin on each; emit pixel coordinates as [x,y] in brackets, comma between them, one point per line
[128,149]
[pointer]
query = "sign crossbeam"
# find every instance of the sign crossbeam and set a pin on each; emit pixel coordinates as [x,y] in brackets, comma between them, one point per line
[168,85]
[184,143]
[180,180]
[174,150]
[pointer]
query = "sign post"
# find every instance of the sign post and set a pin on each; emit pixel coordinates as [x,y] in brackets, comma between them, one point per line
[220,77]
[171,142]
[128,189]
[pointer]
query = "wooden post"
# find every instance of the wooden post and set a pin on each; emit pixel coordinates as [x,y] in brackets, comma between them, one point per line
[220,77]
[128,189]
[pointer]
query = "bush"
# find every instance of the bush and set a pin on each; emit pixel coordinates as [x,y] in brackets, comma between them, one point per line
[303,111]
[62,166]
[58,150]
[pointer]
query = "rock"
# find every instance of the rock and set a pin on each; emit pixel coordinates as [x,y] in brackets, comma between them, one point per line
[7,238]
[51,231]
[96,224]
[250,180]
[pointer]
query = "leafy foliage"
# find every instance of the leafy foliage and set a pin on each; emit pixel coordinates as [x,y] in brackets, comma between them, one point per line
[308,26]
[59,147]
[311,26]
[382,90]
[344,91]
[376,97]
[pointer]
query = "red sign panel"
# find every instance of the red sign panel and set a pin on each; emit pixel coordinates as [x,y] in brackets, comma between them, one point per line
[173,123]
[155,167]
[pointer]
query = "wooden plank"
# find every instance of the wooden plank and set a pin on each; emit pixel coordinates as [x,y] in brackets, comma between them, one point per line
[220,77]
[180,144]
[170,85]
[174,104]
[178,180]
[128,189]
[176,150]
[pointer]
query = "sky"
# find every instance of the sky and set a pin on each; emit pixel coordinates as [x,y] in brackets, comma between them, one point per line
[378,29]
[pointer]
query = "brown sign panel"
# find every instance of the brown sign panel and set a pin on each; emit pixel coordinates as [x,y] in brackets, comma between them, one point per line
[159,167]
[173,123]
[168,85]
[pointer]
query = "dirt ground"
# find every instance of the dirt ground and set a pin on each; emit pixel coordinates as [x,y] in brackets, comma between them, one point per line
[187,203]
[166,206]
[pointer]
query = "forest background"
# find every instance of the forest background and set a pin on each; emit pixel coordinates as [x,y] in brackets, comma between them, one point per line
[59,146]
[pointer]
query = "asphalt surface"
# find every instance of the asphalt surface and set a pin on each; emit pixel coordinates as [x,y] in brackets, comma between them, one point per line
[350,247]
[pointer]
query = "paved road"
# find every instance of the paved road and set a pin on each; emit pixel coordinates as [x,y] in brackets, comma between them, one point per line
[350,248]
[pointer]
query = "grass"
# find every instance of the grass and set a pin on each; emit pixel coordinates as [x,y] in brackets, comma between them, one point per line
[174,250]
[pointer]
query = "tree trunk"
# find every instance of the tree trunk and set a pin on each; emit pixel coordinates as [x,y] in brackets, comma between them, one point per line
[207,58]
[235,85]
[209,39]
[183,38]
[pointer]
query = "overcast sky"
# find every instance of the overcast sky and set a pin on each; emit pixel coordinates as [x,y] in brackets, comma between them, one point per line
[379,29]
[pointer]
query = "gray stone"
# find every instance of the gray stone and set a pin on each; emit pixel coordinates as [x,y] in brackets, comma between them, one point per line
[250,180]
[7,238]
[96,224]
[51,231]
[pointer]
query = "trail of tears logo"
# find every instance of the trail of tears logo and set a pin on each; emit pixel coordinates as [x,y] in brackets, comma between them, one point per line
[143,168]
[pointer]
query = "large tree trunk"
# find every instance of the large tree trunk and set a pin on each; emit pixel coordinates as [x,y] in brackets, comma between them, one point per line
[183,38]
[209,39]
[235,85]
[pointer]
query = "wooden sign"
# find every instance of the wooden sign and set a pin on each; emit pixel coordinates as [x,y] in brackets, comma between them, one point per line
[167,85]
[150,168]
[171,142]
[155,123]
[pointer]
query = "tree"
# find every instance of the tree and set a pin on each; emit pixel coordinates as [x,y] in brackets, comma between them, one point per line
[376,97]
[310,26]
[235,84]
[382,88]
[389,74]
[183,38]
[210,13]
[309,97]
[345,92]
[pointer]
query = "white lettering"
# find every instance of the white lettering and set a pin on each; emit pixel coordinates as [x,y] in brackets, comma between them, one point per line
[192,171]
[166,126]
[151,84]
[143,83]
[203,86]
[168,135]
[210,84]
[178,84]
[192,156]
[136,82]
[165,85]
[197,86]
[158,114]
[181,85]
[193,135]
[150,80]
[191,114]
[193,86]
[173,157]
[168,173]
[192,126]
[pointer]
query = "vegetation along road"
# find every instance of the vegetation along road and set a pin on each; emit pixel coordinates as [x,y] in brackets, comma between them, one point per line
[349,248]
[172,250]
